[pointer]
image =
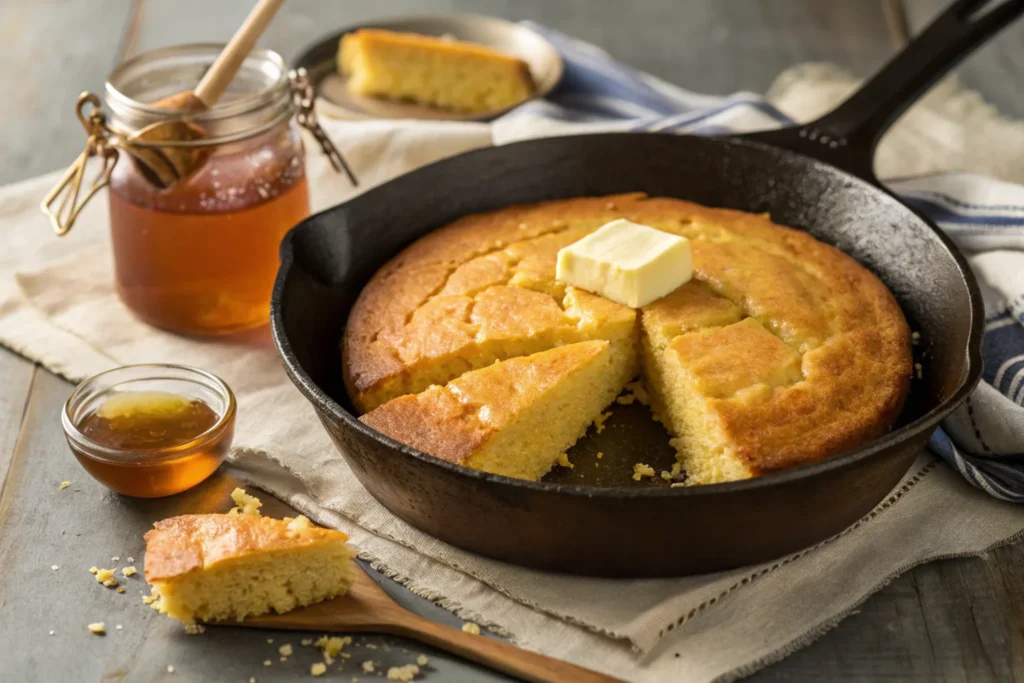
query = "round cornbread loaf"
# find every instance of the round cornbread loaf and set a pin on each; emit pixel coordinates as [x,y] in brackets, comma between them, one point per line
[781,351]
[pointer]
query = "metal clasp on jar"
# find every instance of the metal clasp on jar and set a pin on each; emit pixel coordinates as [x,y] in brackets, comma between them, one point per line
[62,204]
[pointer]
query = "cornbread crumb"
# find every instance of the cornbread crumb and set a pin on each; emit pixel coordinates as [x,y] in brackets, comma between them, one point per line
[915,337]
[129,571]
[306,642]
[63,485]
[917,370]
[194,629]
[639,392]
[286,650]
[369,646]
[346,655]
[98,628]
[170,668]
[318,669]
[118,627]
[641,470]
[403,673]
[270,640]
[676,484]
[422,660]
[148,599]
[367,667]
[115,558]
[104,575]
[599,422]
[298,525]
[119,589]
[626,399]
[666,475]
[252,679]
[267,662]
[676,470]
[54,567]
[131,560]
[470,627]
[247,505]
[110,583]
[563,461]
[93,570]
[600,454]
[331,646]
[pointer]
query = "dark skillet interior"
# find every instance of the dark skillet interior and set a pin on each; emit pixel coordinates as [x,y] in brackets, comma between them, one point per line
[328,258]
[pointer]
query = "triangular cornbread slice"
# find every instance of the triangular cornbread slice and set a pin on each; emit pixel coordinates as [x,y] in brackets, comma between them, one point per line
[445,73]
[516,417]
[219,567]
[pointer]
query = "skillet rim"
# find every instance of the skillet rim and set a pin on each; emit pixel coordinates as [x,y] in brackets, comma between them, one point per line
[325,403]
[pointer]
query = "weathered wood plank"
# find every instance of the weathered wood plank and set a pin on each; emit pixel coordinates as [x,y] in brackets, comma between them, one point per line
[16,375]
[994,70]
[715,47]
[51,51]
[87,525]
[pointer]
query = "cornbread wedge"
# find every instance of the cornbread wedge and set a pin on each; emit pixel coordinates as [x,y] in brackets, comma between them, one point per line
[223,567]
[448,74]
[780,352]
[515,417]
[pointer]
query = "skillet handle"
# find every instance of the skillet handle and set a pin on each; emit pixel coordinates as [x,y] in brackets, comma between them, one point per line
[847,136]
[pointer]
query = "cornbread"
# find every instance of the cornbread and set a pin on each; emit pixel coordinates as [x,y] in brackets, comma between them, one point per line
[443,73]
[219,567]
[516,417]
[781,351]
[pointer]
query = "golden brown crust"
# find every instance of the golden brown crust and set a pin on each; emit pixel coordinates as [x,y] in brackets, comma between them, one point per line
[454,421]
[453,291]
[179,545]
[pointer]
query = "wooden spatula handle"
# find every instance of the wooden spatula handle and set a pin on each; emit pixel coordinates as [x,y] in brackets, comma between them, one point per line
[495,654]
[220,74]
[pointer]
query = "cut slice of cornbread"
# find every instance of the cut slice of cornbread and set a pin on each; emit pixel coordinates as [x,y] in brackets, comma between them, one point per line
[221,567]
[515,417]
[444,73]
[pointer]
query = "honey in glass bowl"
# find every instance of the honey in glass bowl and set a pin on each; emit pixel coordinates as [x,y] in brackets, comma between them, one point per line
[150,430]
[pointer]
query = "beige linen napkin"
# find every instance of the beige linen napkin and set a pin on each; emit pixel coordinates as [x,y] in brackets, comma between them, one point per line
[57,306]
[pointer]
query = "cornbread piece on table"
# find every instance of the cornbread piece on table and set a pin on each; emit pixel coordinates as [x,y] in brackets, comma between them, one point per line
[515,417]
[221,567]
[449,74]
[781,351]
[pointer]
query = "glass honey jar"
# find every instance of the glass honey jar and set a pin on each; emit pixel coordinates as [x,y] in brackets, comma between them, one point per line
[198,254]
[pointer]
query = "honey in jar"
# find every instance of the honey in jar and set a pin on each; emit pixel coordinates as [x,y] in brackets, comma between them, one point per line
[200,256]
[150,430]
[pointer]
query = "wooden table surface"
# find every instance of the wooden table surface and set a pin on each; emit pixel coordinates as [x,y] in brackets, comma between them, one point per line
[959,620]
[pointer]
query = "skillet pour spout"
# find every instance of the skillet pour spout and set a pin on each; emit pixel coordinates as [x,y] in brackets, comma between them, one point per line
[816,177]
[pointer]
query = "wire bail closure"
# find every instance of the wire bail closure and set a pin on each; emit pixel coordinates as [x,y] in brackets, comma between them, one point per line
[65,201]
[304,98]
[61,204]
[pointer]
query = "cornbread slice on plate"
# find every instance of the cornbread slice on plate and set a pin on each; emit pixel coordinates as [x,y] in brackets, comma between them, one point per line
[443,73]
[516,417]
[232,566]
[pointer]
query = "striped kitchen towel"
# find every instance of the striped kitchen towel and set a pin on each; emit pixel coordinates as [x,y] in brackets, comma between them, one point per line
[984,439]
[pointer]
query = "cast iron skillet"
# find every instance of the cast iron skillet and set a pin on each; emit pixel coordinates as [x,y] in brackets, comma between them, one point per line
[816,177]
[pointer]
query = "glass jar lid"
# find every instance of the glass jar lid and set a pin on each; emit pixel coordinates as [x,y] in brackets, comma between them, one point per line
[259,97]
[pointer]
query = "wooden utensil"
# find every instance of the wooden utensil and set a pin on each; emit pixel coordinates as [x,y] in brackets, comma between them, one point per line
[366,607]
[165,165]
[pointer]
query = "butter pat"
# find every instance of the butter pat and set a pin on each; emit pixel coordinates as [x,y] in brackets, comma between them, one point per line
[626,262]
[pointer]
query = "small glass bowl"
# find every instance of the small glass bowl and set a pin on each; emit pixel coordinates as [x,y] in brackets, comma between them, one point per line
[156,472]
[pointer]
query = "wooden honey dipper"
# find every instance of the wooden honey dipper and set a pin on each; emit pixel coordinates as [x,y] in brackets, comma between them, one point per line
[165,165]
